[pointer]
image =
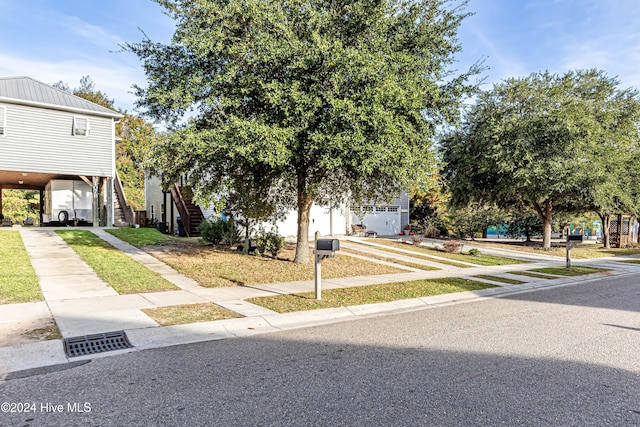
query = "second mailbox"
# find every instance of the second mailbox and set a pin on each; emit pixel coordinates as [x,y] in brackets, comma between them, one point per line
[328,245]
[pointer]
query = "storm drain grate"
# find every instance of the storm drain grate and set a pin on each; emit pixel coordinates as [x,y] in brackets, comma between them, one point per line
[98,343]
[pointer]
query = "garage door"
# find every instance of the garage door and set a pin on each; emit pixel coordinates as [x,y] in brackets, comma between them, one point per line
[384,220]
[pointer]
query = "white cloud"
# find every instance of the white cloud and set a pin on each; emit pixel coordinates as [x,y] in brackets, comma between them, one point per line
[618,56]
[608,40]
[93,34]
[501,66]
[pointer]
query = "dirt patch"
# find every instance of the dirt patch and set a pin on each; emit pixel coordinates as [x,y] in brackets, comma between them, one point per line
[28,331]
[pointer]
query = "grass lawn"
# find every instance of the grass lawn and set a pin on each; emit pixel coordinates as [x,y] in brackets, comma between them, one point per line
[18,280]
[390,259]
[572,271]
[368,294]
[189,313]
[583,251]
[530,274]
[140,236]
[114,267]
[480,259]
[213,268]
[499,279]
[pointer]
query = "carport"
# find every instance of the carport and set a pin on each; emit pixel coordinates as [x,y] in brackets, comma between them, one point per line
[12,180]
[47,134]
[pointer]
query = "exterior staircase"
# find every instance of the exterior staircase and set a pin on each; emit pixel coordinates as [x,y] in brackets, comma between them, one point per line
[123,215]
[119,220]
[190,213]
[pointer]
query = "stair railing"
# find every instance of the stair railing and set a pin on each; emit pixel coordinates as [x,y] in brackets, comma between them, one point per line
[185,217]
[129,214]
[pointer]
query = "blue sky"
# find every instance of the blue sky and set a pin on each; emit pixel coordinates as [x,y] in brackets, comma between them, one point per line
[53,40]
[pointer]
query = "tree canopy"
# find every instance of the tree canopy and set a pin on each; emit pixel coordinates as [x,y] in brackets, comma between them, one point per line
[316,99]
[549,142]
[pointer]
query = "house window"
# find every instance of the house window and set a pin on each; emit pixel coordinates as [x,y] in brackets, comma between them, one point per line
[381,209]
[392,209]
[81,126]
[3,121]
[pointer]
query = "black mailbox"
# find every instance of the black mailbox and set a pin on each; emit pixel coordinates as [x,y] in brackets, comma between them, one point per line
[575,238]
[328,245]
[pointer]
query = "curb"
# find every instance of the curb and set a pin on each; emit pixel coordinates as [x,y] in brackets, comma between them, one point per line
[18,359]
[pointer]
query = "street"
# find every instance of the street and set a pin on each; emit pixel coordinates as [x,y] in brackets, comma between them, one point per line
[563,356]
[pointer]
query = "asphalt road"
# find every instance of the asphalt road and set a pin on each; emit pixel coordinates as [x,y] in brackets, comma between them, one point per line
[561,357]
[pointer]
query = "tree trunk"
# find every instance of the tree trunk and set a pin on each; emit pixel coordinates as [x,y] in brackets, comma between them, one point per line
[606,223]
[547,221]
[546,231]
[302,244]
[546,226]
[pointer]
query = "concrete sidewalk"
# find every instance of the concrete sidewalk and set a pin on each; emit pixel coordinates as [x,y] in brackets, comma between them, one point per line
[82,304]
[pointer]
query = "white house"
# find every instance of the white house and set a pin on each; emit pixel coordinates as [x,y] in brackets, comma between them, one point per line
[383,219]
[61,145]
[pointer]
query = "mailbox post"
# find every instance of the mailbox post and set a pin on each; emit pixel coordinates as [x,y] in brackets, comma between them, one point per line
[572,240]
[325,248]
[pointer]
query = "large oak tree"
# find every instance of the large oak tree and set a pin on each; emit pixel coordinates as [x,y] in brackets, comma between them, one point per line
[316,99]
[549,142]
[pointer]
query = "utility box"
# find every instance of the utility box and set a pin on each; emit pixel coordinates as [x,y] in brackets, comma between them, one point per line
[67,200]
[328,245]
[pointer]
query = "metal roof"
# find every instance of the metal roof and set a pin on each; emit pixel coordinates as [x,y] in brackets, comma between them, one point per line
[25,90]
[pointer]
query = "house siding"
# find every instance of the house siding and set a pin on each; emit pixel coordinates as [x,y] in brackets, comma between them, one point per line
[154,197]
[322,219]
[403,201]
[50,147]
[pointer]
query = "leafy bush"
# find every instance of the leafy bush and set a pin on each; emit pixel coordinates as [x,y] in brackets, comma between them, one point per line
[269,242]
[474,251]
[230,233]
[219,232]
[211,231]
[452,246]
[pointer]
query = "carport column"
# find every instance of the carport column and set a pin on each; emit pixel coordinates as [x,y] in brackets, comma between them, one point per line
[96,201]
[41,212]
[109,186]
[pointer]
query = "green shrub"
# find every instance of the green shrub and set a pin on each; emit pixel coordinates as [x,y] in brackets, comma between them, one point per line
[474,251]
[269,242]
[219,232]
[211,231]
[230,234]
